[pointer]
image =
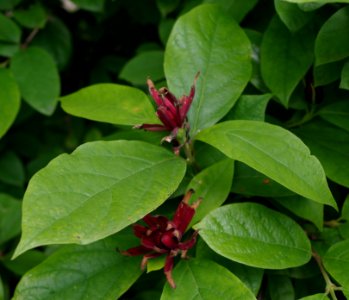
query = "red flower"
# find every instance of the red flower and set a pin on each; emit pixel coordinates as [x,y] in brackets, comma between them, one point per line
[163,236]
[171,111]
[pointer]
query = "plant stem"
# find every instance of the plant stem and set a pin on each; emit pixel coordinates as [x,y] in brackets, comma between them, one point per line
[30,37]
[330,286]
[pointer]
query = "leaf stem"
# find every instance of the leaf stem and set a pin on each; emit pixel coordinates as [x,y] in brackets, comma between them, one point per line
[30,37]
[330,286]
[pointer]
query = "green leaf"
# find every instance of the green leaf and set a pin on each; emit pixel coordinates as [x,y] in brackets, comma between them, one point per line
[236,232]
[304,208]
[336,262]
[111,103]
[144,65]
[345,77]
[323,140]
[33,17]
[236,8]
[8,49]
[327,73]
[9,100]
[9,31]
[38,79]
[95,271]
[291,15]
[336,113]
[10,217]
[344,226]
[96,191]
[11,169]
[249,107]
[331,42]
[91,5]
[2,290]
[251,277]
[205,279]
[167,6]
[285,58]
[273,151]
[213,185]
[25,262]
[280,287]
[207,40]
[56,39]
[250,182]
[315,297]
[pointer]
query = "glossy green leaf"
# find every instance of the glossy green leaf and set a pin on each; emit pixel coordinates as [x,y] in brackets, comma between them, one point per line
[336,262]
[145,65]
[32,17]
[38,79]
[208,41]
[336,113]
[345,77]
[9,100]
[304,208]
[248,181]
[213,185]
[10,217]
[291,15]
[249,107]
[9,31]
[111,103]
[236,8]
[56,39]
[323,140]
[112,183]
[280,287]
[273,151]
[331,42]
[91,5]
[94,271]
[236,232]
[11,169]
[194,281]
[285,62]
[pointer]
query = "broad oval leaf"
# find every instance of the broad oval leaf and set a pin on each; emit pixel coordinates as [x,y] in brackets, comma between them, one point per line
[273,151]
[96,191]
[255,235]
[38,79]
[285,62]
[94,271]
[331,42]
[33,17]
[336,262]
[9,100]
[345,77]
[111,103]
[209,41]
[193,278]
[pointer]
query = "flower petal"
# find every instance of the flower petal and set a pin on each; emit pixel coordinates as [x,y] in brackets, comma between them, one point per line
[184,213]
[168,270]
[139,250]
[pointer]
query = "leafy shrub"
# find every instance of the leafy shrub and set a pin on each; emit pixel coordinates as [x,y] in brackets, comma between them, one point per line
[252,130]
